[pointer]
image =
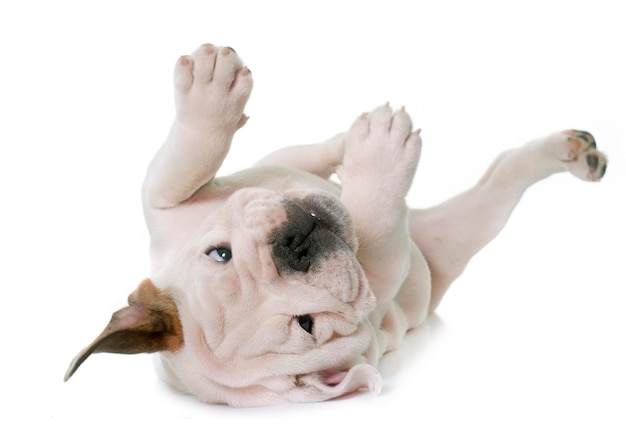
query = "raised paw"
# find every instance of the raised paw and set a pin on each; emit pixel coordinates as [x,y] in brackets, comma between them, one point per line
[212,87]
[582,158]
[382,151]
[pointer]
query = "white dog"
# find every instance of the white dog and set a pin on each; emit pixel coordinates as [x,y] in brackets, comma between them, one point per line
[277,285]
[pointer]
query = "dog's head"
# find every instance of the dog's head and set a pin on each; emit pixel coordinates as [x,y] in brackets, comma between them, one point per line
[267,303]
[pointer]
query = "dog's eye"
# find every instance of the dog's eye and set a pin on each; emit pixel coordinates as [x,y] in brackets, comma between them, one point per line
[221,255]
[306,322]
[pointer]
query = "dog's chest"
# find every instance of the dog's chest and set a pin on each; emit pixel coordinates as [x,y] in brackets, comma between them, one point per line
[278,179]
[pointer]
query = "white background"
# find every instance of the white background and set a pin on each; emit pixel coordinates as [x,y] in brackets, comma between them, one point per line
[531,341]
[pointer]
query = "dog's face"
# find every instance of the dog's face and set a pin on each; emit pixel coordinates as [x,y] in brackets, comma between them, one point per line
[272,304]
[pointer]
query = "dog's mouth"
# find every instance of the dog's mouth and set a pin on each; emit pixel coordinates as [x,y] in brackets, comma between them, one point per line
[334,384]
[333,378]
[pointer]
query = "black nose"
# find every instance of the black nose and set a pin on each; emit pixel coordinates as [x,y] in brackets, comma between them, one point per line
[307,237]
[303,239]
[296,245]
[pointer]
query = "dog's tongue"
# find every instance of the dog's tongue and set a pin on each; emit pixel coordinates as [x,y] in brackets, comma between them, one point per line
[361,376]
[335,378]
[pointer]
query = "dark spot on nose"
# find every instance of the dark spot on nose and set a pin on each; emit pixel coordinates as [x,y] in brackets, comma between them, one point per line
[303,240]
[293,247]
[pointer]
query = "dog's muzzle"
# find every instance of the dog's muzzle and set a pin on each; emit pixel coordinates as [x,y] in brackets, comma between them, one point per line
[310,234]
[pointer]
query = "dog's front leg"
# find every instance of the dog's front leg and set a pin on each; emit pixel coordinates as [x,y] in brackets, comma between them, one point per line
[379,164]
[211,89]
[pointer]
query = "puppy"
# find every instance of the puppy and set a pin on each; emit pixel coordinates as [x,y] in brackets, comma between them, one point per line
[277,285]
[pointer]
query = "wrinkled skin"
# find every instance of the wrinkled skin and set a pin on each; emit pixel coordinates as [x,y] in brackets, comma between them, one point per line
[277,285]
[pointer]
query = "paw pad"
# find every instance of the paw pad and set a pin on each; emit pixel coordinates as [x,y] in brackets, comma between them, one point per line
[584,160]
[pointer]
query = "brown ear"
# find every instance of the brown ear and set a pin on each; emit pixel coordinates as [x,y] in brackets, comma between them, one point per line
[150,323]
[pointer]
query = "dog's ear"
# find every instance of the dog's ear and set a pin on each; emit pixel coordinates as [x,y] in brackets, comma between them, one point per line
[150,323]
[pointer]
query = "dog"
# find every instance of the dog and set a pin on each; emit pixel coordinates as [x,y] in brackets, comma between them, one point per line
[278,284]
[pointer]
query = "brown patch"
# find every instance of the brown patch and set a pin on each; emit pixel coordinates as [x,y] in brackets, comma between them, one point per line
[579,141]
[587,137]
[150,323]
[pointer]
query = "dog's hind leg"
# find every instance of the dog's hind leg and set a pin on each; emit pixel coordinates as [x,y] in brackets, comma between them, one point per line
[211,89]
[450,234]
[321,159]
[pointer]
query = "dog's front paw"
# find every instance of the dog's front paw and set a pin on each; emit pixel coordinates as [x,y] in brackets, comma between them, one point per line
[382,152]
[212,87]
[583,159]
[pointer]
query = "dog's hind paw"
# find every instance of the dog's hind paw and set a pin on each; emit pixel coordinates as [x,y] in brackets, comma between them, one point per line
[582,158]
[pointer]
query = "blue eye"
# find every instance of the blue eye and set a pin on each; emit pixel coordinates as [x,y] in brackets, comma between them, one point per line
[221,255]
